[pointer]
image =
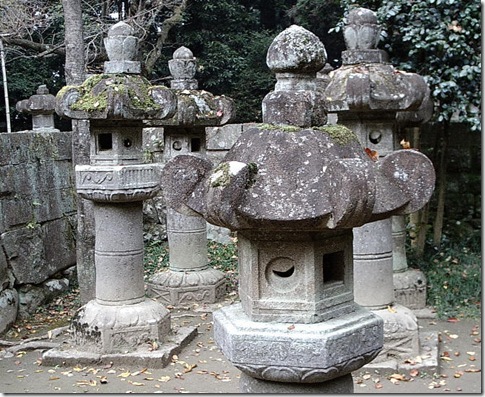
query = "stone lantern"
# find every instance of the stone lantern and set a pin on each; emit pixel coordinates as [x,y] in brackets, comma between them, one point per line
[367,93]
[189,279]
[120,324]
[293,190]
[42,107]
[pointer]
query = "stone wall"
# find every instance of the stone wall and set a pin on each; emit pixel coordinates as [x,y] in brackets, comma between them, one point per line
[37,220]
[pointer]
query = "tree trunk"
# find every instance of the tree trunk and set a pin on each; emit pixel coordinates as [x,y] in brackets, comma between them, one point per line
[74,42]
[441,185]
[75,75]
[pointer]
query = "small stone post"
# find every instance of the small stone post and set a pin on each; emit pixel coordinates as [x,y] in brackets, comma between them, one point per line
[367,93]
[189,279]
[293,190]
[42,107]
[120,325]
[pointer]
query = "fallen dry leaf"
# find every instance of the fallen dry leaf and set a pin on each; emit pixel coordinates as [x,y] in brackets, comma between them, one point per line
[472,358]
[378,385]
[405,144]
[452,320]
[473,370]
[414,372]
[124,375]
[291,327]
[164,379]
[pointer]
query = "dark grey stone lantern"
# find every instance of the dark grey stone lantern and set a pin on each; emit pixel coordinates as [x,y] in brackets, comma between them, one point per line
[293,190]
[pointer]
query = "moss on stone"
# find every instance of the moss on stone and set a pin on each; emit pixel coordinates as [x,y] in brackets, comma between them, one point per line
[339,134]
[136,88]
[279,127]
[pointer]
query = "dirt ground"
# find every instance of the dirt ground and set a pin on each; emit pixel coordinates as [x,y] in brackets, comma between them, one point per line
[202,368]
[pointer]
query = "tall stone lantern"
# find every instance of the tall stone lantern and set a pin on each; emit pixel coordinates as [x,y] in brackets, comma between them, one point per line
[189,279]
[367,93]
[293,190]
[120,324]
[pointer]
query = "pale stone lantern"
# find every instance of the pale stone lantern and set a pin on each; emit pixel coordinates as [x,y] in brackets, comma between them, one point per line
[120,324]
[293,190]
[367,93]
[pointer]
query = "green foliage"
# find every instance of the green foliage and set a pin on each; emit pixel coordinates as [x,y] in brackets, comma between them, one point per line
[230,38]
[220,256]
[454,281]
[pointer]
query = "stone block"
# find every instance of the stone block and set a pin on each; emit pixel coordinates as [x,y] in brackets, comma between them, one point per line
[303,353]
[410,289]
[9,303]
[37,252]
[295,277]
[223,137]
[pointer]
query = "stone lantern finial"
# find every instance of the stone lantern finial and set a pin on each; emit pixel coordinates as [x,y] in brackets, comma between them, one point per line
[183,67]
[295,55]
[121,47]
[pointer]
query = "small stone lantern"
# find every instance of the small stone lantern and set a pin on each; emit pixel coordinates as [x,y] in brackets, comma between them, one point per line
[120,324]
[367,93]
[42,107]
[293,190]
[189,279]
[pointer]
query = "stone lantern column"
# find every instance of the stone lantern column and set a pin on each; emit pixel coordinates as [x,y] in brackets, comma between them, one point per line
[409,284]
[120,325]
[293,190]
[189,279]
[42,107]
[367,93]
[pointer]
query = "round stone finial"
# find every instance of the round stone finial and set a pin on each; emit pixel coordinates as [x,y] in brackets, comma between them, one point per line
[296,50]
[120,29]
[362,31]
[183,53]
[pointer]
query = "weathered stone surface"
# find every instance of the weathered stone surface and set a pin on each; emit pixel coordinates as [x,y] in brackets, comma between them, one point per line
[40,251]
[142,357]
[341,385]
[410,288]
[9,303]
[271,193]
[305,353]
[274,282]
[373,265]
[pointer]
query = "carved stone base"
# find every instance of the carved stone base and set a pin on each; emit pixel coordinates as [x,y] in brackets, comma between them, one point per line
[401,336]
[142,357]
[298,353]
[184,288]
[341,385]
[119,329]
[410,288]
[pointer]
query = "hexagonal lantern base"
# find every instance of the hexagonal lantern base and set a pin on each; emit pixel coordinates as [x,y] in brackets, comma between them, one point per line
[298,353]
[121,335]
[120,328]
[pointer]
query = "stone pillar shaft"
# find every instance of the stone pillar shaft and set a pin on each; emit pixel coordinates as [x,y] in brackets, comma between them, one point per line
[187,239]
[119,259]
[373,265]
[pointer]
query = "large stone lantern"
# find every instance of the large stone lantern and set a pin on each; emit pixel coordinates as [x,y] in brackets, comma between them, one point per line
[293,190]
[120,323]
[42,107]
[367,93]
